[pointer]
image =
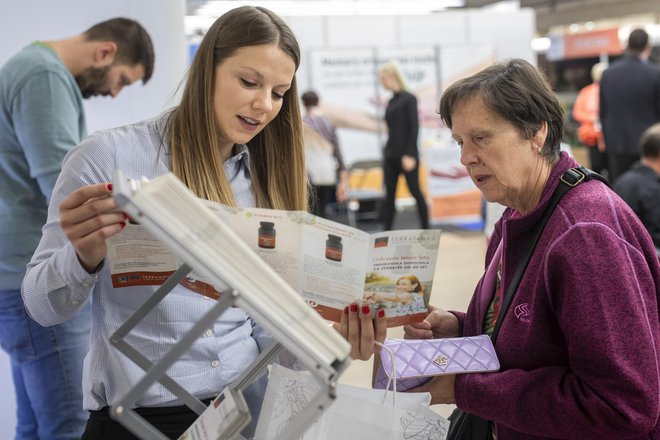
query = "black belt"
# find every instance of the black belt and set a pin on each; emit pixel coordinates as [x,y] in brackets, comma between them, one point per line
[103,414]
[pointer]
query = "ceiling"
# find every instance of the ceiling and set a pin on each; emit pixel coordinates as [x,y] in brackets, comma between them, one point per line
[553,14]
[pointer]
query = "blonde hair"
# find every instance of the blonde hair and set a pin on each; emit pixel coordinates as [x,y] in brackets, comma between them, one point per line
[393,68]
[277,159]
[597,71]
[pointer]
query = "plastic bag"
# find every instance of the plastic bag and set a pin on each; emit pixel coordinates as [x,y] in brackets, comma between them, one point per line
[362,413]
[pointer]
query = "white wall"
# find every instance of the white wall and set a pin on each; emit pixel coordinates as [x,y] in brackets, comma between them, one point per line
[24,21]
[510,32]
[27,20]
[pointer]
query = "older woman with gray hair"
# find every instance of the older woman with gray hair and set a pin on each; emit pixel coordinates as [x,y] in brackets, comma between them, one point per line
[578,346]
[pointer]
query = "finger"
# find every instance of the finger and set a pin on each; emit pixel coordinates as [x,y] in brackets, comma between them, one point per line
[88,210]
[421,325]
[354,330]
[342,325]
[81,195]
[418,331]
[90,226]
[366,333]
[380,329]
[92,241]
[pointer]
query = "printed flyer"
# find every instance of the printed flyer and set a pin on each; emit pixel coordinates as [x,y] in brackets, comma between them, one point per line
[331,264]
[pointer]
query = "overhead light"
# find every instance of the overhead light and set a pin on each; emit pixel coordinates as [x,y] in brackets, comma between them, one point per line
[288,8]
[541,44]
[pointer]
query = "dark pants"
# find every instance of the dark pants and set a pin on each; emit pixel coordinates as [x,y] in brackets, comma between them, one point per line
[171,421]
[598,161]
[391,171]
[620,163]
[318,198]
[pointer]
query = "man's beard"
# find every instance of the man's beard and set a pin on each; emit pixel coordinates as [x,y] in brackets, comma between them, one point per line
[93,81]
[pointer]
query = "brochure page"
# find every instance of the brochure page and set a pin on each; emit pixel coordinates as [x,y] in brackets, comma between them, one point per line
[400,274]
[331,264]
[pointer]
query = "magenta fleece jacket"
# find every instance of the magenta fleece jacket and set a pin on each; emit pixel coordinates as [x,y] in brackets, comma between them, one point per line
[579,346]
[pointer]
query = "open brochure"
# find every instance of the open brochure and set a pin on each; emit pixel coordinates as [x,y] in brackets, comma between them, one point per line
[330,264]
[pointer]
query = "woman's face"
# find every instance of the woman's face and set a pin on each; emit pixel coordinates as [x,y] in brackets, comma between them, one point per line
[388,81]
[405,285]
[507,168]
[249,90]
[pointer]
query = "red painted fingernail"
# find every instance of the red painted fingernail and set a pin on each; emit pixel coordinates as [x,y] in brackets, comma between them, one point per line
[122,224]
[109,186]
[365,310]
[125,216]
[354,307]
[346,310]
[381,313]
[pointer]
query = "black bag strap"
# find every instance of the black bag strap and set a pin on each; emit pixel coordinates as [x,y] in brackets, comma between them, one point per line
[570,179]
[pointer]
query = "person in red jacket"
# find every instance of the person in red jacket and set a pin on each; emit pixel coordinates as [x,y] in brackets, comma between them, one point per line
[585,111]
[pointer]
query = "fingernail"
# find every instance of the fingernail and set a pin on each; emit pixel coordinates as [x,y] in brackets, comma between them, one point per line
[346,310]
[365,309]
[354,307]
[122,225]
[109,186]
[125,216]
[381,313]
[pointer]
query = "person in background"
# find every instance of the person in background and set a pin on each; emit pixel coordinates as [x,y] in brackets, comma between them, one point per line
[639,187]
[570,365]
[235,138]
[400,154]
[325,165]
[42,117]
[629,103]
[585,111]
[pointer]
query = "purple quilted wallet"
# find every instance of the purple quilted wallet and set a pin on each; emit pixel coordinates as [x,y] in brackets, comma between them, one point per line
[418,360]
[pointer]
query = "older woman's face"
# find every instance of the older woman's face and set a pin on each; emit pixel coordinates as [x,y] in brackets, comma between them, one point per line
[506,167]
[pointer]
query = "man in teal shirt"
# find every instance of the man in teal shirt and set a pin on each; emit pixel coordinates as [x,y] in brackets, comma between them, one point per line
[41,119]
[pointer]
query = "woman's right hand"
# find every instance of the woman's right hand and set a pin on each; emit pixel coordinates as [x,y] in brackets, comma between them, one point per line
[437,324]
[88,216]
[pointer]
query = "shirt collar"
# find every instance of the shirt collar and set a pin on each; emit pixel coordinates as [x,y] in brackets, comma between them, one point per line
[240,160]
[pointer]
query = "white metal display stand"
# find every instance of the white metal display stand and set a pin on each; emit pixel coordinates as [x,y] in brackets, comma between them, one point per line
[173,214]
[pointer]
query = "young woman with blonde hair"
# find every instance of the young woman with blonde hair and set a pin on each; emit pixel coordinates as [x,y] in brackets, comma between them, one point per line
[236,139]
[400,155]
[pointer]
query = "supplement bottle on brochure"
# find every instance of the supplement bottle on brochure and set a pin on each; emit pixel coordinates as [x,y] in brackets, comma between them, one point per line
[333,248]
[266,235]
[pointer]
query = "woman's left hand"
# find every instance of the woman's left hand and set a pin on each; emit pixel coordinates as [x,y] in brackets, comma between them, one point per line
[408,163]
[440,387]
[342,188]
[361,331]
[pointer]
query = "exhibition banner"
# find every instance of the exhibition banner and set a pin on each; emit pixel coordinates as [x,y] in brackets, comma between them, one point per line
[348,83]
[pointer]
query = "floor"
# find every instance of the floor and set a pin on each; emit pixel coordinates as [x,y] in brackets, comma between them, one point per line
[459,266]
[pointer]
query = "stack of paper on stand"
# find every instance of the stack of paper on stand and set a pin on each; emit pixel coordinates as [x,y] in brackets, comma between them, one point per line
[331,265]
[167,212]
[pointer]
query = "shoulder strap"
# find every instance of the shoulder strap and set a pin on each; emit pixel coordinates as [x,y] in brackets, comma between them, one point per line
[570,179]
